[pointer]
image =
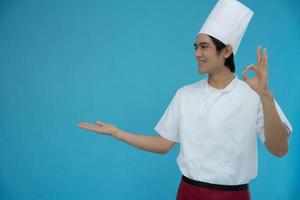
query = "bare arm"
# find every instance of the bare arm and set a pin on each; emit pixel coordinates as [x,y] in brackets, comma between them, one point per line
[275,133]
[155,144]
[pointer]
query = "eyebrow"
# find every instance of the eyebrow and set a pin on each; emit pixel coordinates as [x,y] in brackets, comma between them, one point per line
[201,43]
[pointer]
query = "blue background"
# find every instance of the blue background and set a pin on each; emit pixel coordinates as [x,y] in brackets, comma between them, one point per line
[62,62]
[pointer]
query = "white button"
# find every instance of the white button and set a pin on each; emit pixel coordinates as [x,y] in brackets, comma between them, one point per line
[228,125]
[201,141]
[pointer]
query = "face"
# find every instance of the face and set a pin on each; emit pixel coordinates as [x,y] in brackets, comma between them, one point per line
[206,55]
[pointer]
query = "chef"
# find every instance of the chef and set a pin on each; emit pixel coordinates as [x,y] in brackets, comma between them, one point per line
[217,120]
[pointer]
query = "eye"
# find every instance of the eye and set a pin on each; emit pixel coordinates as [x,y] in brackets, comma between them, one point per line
[195,46]
[202,46]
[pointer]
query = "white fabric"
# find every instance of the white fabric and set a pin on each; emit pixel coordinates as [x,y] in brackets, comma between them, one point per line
[228,22]
[217,131]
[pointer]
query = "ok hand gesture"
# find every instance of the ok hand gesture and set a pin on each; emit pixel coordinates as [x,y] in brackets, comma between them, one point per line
[259,83]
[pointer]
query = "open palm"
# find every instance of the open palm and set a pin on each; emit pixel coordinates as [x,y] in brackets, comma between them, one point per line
[99,127]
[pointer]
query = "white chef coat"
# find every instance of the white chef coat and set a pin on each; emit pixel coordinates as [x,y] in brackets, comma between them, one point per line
[217,130]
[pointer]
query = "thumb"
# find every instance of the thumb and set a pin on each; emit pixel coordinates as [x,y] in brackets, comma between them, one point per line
[100,123]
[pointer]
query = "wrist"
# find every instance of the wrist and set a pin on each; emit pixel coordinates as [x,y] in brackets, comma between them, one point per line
[266,94]
[117,134]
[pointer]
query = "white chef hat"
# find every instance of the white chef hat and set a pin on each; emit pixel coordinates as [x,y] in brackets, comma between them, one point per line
[228,22]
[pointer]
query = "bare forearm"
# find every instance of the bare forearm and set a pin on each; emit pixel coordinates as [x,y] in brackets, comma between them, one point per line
[148,143]
[275,133]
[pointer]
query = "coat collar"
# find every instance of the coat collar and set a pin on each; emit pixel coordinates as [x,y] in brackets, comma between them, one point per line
[228,88]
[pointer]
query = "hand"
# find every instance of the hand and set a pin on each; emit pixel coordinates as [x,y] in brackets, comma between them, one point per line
[259,83]
[100,127]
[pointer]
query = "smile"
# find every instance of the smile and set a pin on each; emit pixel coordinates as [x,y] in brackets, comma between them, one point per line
[201,61]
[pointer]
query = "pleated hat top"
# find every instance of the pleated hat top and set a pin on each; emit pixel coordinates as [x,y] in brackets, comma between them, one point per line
[228,22]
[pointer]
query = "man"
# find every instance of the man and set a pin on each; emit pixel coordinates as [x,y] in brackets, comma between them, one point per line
[217,120]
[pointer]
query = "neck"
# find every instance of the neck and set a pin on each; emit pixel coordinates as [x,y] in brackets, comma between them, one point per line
[220,79]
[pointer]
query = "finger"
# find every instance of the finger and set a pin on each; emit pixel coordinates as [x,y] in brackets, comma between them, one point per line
[249,67]
[258,56]
[253,67]
[244,73]
[244,76]
[265,59]
[83,124]
[91,128]
[86,126]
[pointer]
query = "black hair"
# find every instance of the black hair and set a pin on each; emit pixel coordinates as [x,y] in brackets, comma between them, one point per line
[229,62]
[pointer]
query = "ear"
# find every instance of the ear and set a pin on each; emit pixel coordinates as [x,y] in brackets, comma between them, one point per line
[227,51]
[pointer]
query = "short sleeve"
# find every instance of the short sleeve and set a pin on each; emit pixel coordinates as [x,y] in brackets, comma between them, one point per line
[260,121]
[168,125]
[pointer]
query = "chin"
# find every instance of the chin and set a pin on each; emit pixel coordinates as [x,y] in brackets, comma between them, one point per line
[201,71]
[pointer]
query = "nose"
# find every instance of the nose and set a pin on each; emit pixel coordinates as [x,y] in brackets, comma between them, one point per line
[198,52]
